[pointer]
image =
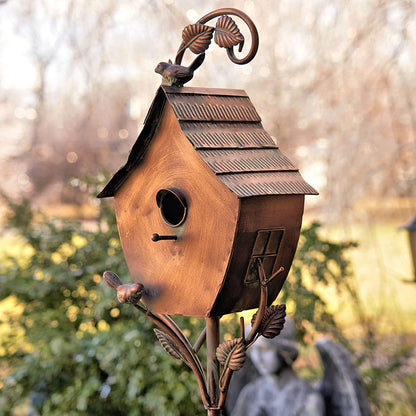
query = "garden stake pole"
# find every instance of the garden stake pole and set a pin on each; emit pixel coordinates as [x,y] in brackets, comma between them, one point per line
[213,366]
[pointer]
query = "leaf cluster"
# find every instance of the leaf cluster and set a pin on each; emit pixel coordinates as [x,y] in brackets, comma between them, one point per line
[197,37]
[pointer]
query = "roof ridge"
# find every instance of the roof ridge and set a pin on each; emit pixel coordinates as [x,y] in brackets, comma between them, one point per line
[245,172]
[251,147]
[227,92]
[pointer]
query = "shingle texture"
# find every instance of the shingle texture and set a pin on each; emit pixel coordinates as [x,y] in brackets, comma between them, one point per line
[226,131]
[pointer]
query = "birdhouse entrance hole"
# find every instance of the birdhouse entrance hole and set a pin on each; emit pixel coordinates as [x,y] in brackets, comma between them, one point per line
[265,249]
[172,206]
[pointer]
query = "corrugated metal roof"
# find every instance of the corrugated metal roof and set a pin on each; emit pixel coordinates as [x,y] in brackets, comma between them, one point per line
[188,107]
[226,131]
[226,135]
[267,183]
[246,160]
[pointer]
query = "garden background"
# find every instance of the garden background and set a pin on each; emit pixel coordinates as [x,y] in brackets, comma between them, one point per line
[334,82]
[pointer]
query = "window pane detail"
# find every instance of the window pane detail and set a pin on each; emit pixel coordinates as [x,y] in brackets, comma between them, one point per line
[265,249]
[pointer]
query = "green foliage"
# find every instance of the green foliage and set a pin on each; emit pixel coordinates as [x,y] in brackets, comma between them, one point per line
[389,377]
[385,361]
[70,347]
[74,351]
[318,264]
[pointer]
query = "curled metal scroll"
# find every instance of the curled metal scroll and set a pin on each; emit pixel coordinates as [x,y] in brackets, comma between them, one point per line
[197,37]
[227,35]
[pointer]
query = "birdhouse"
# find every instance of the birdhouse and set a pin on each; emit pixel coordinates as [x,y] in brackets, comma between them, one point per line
[205,199]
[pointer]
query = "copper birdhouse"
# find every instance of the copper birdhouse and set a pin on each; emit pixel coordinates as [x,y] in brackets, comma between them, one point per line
[205,197]
[209,212]
[206,176]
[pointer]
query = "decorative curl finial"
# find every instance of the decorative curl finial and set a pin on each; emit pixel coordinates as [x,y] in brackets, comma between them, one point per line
[197,37]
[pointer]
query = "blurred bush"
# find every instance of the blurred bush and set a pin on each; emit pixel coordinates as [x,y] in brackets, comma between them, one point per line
[67,347]
[77,353]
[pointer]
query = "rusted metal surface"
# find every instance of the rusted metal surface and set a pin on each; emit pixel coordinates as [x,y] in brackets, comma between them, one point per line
[213,365]
[255,165]
[185,275]
[269,212]
[205,91]
[174,157]
[156,237]
[197,38]
[265,248]
[212,107]
[243,155]
[177,74]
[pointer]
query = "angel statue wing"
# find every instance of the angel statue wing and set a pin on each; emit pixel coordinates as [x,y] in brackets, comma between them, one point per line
[341,385]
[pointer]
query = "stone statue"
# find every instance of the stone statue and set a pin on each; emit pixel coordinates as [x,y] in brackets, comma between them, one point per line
[278,390]
[271,387]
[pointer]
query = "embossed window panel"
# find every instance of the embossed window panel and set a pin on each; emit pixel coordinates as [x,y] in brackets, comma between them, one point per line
[265,249]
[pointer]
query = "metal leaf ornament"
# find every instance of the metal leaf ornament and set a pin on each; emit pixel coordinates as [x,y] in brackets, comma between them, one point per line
[227,33]
[232,354]
[197,37]
[273,321]
[169,346]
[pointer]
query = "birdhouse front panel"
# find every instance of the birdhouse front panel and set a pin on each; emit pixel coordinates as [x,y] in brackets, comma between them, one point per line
[210,186]
[182,276]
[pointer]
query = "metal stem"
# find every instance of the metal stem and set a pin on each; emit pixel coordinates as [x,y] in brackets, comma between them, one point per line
[200,341]
[213,366]
[172,324]
[262,307]
[224,388]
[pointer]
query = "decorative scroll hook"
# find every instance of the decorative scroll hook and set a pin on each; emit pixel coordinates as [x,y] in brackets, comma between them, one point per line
[197,38]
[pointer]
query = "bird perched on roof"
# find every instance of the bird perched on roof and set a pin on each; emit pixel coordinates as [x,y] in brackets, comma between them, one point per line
[177,75]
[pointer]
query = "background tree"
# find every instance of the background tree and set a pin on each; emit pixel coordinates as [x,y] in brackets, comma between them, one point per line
[334,81]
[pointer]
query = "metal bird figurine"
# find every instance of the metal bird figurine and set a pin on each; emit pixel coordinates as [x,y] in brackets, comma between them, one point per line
[177,75]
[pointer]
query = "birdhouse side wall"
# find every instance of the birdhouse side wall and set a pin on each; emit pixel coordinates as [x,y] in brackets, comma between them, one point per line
[182,277]
[262,218]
